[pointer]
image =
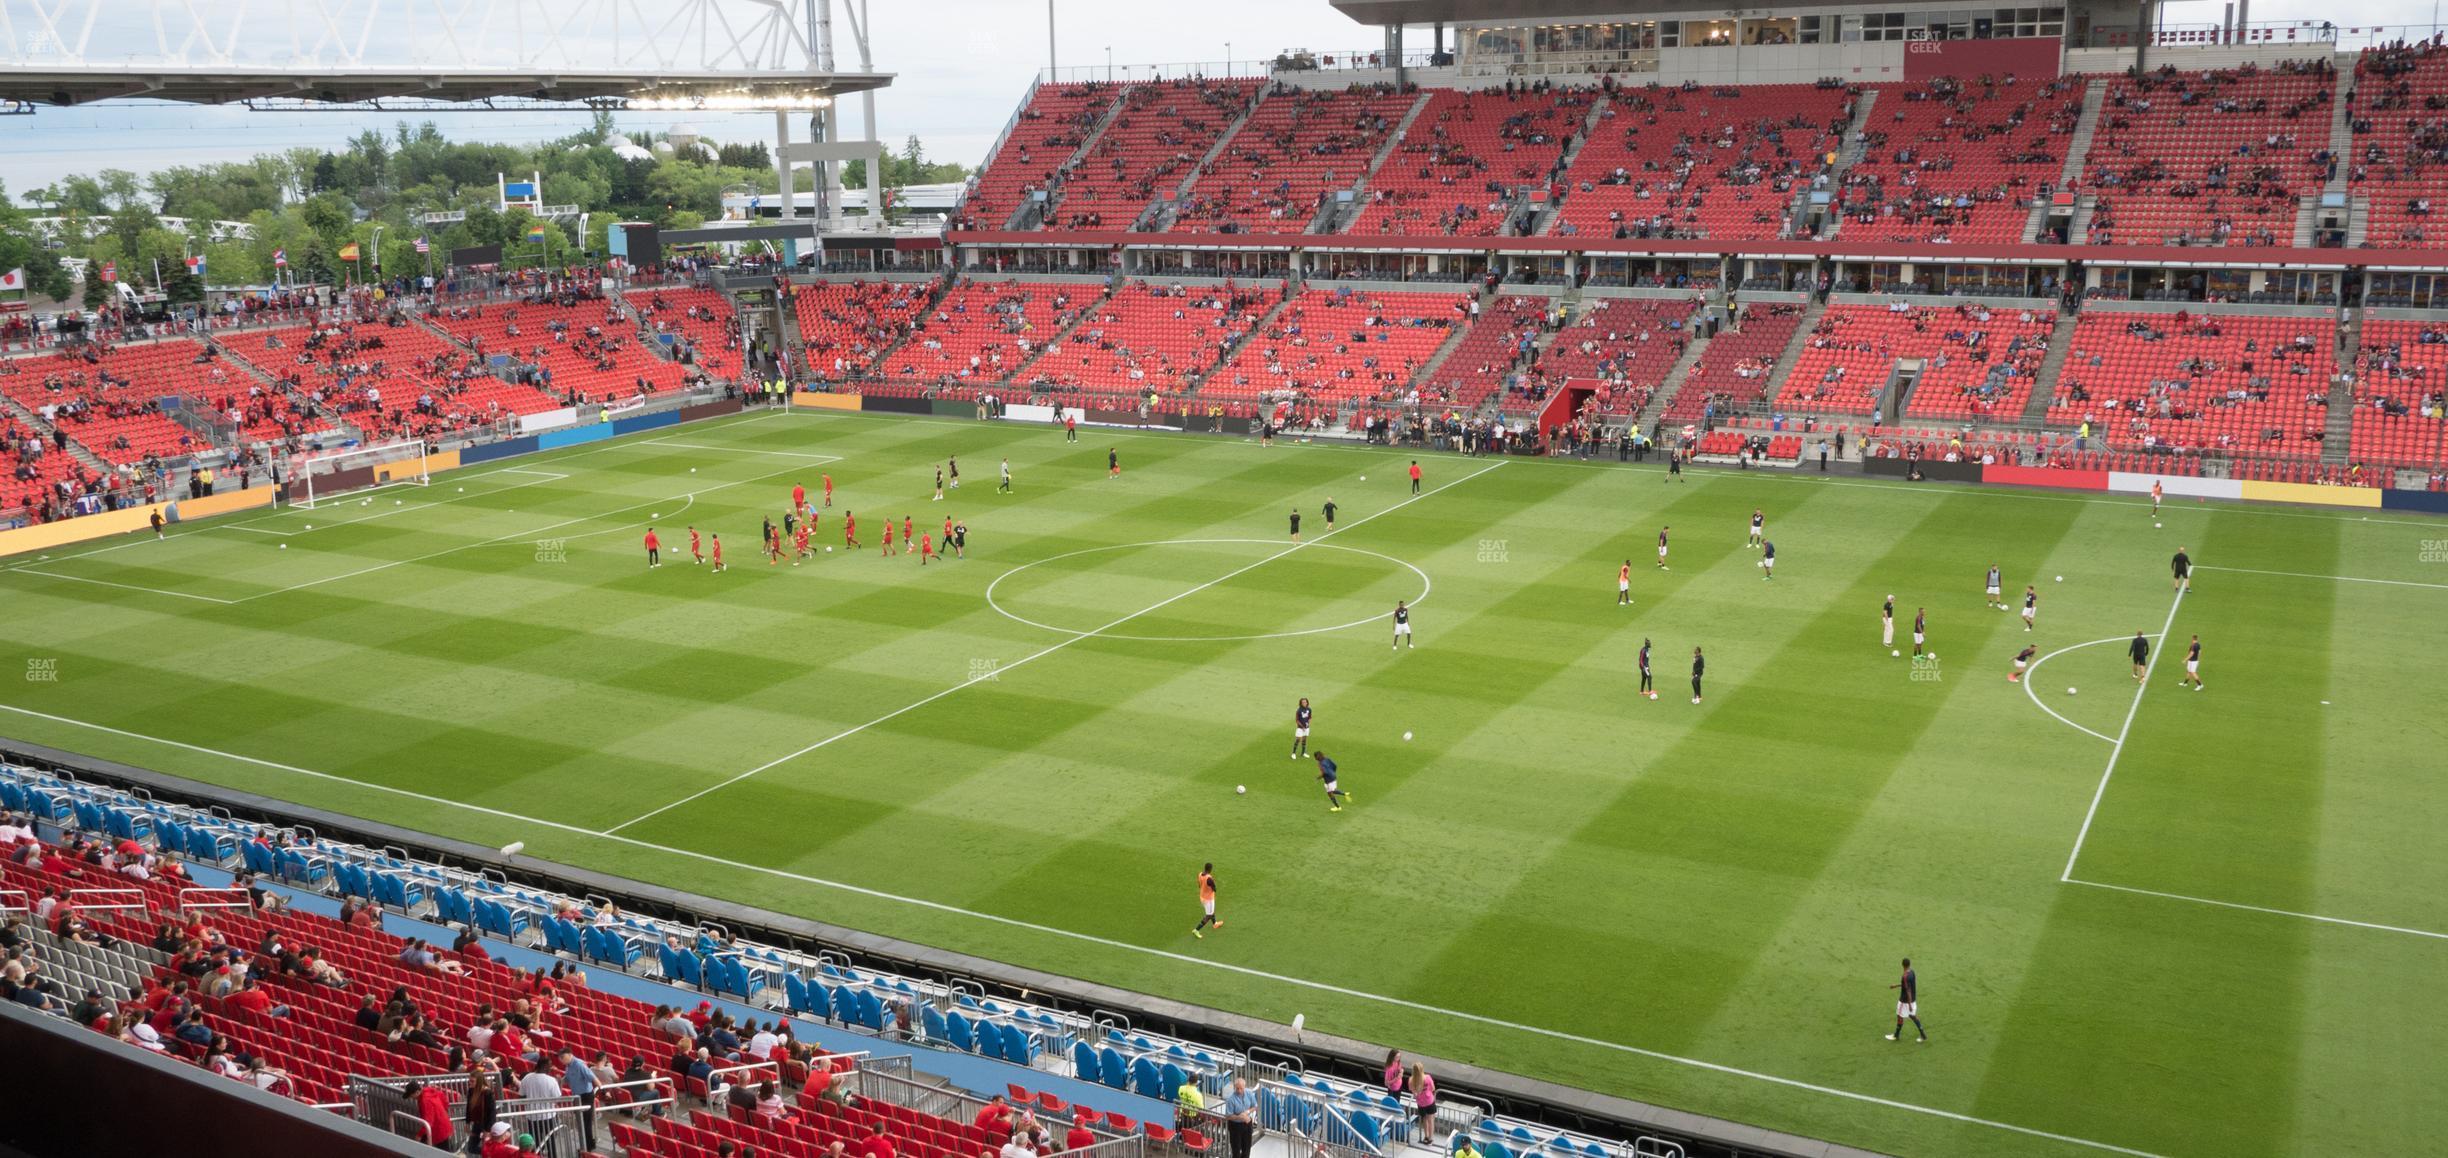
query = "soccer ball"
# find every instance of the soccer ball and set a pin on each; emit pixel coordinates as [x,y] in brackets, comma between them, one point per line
[1898,653]
[2061,578]
[1240,789]
[1363,478]
[656,515]
[1406,735]
[828,550]
[692,470]
[365,502]
[2069,691]
[284,546]
[310,526]
[463,490]
[1933,657]
[2154,524]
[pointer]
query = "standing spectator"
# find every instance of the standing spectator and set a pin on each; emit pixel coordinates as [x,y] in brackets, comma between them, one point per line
[540,1083]
[579,1082]
[1241,1118]
[433,1108]
[1423,1099]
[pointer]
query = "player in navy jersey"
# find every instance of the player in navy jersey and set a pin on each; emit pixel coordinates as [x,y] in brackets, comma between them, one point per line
[1335,796]
[2022,660]
[2182,566]
[1920,627]
[1296,525]
[1647,688]
[2139,649]
[1699,668]
[1759,528]
[1402,624]
[1767,559]
[1908,1004]
[1300,729]
[1328,510]
[1662,547]
[2193,664]
[2031,605]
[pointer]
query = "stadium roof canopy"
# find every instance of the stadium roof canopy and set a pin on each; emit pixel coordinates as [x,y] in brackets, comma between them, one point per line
[1382,13]
[214,85]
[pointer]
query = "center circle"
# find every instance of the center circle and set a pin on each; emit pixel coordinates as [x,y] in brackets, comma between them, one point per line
[1182,589]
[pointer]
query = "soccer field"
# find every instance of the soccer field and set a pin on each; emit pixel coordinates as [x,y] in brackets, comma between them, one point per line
[2145,919]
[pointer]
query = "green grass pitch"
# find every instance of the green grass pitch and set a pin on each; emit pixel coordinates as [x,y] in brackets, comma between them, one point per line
[1026,754]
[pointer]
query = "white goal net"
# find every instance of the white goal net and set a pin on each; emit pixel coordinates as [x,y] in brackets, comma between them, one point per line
[326,476]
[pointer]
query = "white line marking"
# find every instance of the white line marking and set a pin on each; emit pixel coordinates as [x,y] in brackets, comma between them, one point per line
[2259,909]
[1426,586]
[1046,651]
[1105,942]
[546,476]
[1796,475]
[2119,750]
[820,458]
[527,534]
[2032,673]
[2332,578]
[122,586]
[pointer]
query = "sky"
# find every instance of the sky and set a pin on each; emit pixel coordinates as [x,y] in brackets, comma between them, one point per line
[961,68]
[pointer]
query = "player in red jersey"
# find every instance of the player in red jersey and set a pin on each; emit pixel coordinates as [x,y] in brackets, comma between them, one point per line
[718,563]
[888,537]
[1415,476]
[799,497]
[773,546]
[849,524]
[654,549]
[926,549]
[800,545]
[947,533]
[696,552]
[909,528]
[828,485]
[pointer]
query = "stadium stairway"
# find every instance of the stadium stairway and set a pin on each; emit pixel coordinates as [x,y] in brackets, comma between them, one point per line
[340,424]
[1676,376]
[2044,383]
[1848,155]
[76,450]
[1161,212]
[1335,218]
[2337,443]
[2078,146]
[1062,336]
[1553,212]
[1192,382]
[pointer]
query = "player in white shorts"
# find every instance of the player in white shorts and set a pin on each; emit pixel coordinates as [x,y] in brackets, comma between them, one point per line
[1402,624]
[1887,623]
[1994,589]
[2193,665]
[1759,528]
[2031,605]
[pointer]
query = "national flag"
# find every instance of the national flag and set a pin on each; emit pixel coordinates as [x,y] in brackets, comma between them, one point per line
[195,265]
[110,271]
[348,252]
[535,233]
[423,248]
[280,258]
[13,279]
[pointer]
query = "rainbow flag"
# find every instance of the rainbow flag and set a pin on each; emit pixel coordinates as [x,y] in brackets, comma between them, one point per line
[535,233]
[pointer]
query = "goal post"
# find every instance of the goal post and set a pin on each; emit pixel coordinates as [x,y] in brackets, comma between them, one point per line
[323,477]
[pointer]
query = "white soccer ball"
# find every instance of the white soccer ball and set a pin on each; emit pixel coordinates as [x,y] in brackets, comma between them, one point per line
[1363,478]
[1933,657]
[656,515]
[284,546]
[463,490]
[2069,691]
[828,550]
[310,526]
[2061,578]
[1406,735]
[2154,524]
[365,502]
[1898,653]
[1240,789]
[395,502]
[692,470]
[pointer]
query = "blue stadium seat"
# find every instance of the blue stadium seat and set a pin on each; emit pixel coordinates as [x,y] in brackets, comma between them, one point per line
[1084,1064]
[795,993]
[1111,1069]
[870,1010]
[956,1031]
[845,1006]
[451,906]
[1018,1047]
[1148,1081]
[932,1020]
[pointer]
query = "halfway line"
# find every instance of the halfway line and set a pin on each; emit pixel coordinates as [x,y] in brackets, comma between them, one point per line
[1042,653]
[2119,749]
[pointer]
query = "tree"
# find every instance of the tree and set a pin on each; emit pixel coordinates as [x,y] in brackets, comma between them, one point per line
[97,291]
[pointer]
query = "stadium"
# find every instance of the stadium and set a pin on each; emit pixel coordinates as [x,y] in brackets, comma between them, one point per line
[487,688]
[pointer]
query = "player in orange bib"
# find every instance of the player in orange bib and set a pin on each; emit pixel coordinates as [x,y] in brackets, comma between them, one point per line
[1623,584]
[1207,891]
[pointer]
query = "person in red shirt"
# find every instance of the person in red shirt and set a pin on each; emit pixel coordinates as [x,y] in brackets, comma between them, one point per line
[995,1118]
[799,497]
[654,549]
[434,1109]
[1415,476]
[718,563]
[888,537]
[926,549]
[908,525]
[800,545]
[947,532]
[828,485]
[849,522]
[773,546]
[695,552]
[1079,1137]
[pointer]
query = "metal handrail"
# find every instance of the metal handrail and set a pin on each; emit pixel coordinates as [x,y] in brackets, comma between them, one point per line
[75,894]
[231,898]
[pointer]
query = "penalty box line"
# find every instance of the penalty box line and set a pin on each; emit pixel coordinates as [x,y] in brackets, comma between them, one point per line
[1307,983]
[1041,653]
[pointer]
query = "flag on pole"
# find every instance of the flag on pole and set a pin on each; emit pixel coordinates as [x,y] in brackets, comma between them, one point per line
[422,248]
[348,252]
[535,233]
[280,258]
[13,279]
[110,271]
[195,265]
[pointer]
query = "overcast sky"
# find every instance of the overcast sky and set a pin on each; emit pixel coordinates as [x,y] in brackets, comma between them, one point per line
[962,66]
